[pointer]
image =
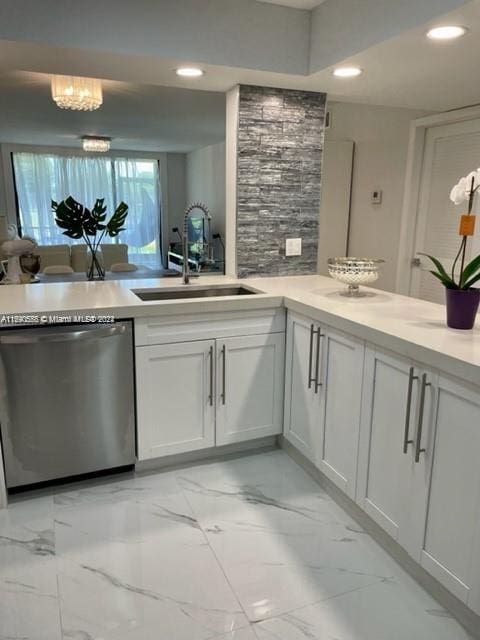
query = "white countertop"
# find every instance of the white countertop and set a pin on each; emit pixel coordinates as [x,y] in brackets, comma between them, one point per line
[408,326]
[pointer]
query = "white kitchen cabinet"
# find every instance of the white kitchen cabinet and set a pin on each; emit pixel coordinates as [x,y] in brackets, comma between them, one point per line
[302,397]
[250,375]
[447,492]
[175,398]
[385,463]
[201,393]
[419,471]
[340,380]
[323,396]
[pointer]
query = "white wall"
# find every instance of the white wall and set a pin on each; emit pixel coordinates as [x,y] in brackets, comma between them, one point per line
[176,198]
[380,135]
[205,182]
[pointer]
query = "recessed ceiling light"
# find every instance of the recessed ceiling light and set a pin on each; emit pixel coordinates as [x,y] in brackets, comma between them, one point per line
[189,72]
[347,72]
[447,32]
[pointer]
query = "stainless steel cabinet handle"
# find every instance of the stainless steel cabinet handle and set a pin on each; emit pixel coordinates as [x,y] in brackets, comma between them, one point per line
[210,396]
[318,382]
[223,374]
[310,358]
[418,449]
[406,440]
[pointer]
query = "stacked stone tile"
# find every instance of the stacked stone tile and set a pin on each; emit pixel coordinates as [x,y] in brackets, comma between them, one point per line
[280,145]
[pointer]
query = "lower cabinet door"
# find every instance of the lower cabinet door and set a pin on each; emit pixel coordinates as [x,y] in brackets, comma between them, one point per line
[302,418]
[385,472]
[249,387]
[175,398]
[341,392]
[449,535]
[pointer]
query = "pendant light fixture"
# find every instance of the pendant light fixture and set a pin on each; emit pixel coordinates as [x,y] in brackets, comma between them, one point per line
[79,94]
[97,144]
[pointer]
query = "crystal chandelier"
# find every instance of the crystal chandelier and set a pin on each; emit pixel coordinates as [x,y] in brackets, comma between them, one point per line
[79,94]
[96,144]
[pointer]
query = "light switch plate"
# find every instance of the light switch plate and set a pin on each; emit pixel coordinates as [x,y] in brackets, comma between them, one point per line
[293,247]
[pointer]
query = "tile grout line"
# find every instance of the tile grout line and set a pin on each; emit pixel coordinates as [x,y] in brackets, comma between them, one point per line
[217,561]
[315,602]
[60,617]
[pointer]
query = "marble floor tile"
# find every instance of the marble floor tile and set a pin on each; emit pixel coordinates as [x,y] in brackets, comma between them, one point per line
[246,549]
[29,606]
[245,633]
[283,543]
[144,555]
[385,611]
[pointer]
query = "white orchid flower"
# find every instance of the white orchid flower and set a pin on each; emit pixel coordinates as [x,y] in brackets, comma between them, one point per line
[461,191]
[455,195]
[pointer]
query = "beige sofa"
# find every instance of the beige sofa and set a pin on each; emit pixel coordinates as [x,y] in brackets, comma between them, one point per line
[76,256]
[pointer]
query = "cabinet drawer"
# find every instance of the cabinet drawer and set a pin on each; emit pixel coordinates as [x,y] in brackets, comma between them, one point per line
[207,326]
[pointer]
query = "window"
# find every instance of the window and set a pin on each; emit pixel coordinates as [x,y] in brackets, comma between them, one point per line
[40,178]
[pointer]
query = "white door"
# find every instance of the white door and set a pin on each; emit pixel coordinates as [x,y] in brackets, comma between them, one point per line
[341,384]
[175,398]
[250,373]
[449,543]
[451,152]
[385,472]
[302,418]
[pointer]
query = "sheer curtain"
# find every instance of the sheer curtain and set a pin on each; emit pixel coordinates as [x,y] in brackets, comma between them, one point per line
[136,182]
[40,178]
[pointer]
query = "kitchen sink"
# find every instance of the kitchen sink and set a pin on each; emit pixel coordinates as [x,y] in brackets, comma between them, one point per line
[187,291]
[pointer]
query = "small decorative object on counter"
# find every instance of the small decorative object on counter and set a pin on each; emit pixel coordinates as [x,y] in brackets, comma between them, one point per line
[15,249]
[461,296]
[88,225]
[354,272]
[30,264]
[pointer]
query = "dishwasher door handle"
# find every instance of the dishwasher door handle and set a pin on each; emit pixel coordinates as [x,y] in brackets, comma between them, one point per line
[36,336]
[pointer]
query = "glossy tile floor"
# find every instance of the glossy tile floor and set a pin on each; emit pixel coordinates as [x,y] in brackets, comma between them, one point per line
[247,549]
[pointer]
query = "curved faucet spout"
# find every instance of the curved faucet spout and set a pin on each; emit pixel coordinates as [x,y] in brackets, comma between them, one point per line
[206,215]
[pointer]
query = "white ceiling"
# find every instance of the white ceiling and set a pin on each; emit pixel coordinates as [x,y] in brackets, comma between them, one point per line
[296,4]
[406,71]
[136,117]
[412,71]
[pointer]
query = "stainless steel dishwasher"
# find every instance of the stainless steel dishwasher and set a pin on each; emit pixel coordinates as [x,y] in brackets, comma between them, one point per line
[66,401]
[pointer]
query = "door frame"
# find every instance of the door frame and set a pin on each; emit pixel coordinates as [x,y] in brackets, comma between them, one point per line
[413,180]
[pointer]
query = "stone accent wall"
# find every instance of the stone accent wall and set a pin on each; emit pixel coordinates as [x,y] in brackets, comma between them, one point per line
[280,144]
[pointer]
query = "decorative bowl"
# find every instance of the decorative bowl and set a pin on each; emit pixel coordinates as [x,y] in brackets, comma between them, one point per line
[354,272]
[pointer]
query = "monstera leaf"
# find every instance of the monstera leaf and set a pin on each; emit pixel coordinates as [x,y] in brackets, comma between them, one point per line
[78,221]
[74,218]
[99,213]
[116,222]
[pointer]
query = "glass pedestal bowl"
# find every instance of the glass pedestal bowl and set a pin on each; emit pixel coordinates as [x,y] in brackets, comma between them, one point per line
[354,272]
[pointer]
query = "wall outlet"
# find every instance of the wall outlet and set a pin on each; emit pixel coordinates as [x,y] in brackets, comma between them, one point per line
[293,247]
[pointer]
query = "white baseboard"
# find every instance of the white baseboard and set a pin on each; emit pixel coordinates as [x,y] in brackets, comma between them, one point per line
[203,456]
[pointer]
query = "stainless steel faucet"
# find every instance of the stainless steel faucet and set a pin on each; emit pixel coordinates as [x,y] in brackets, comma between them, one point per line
[206,214]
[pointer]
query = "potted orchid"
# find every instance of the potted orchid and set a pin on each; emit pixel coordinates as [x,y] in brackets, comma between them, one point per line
[462,297]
